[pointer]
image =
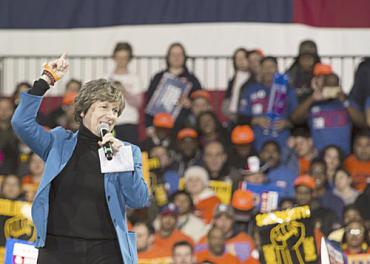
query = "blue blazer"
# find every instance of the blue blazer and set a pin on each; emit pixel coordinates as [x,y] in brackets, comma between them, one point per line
[55,147]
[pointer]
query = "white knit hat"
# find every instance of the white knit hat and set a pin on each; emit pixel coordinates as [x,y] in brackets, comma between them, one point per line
[197,171]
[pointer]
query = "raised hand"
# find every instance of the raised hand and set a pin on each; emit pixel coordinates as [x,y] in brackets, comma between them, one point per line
[55,70]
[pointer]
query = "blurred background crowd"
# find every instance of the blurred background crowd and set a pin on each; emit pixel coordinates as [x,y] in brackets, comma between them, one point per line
[220,164]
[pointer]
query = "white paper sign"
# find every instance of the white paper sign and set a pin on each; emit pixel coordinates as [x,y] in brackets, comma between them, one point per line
[121,161]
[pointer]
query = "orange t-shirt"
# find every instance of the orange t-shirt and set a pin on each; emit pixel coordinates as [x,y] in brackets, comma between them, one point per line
[359,170]
[166,244]
[206,207]
[226,258]
[304,166]
[154,255]
[240,246]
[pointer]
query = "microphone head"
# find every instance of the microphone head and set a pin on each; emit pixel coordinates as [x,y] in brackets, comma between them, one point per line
[103,128]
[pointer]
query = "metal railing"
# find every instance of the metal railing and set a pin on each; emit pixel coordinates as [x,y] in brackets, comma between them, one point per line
[212,71]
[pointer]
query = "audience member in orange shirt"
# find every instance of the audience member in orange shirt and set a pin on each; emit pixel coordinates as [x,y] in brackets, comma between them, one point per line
[182,253]
[216,252]
[205,200]
[168,235]
[148,253]
[238,244]
[32,180]
[358,163]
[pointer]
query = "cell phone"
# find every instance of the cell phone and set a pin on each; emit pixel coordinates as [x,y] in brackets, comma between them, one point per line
[330,92]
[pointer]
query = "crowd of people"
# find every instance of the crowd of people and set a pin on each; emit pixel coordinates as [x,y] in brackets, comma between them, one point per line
[215,176]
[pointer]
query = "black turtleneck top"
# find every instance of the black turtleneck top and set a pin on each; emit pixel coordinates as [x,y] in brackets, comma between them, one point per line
[77,204]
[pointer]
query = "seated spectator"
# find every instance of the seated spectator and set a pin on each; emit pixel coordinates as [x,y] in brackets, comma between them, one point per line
[8,140]
[254,106]
[362,203]
[31,181]
[127,124]
[301,71]
[188,153]
[187,222]
[163,124]
[304,148]
[182,253]
[204,199]
[146,249]
[216,252]
[358,163]
[236,84]
[64,115]
[11,188]
[237,243]
[350,214]
[355,239]
[176,66]
[168,234]
[330,115]
[278,174]
[323,196]
[242,138]
[333,157]
[215,160]
[343,189]
[210,129]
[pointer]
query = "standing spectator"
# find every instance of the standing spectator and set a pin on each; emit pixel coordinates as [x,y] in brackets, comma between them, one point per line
[360,89]
[330,115]
[168,234]
[355,239]
[343,189]
[301,71]
[176,65]
[188,153]
[187,222]
[204,199]
[254,106]
[358,163]
[216,252]
[182,253]
[238,82]
[333,157]
[127,124]
[254,58]
[8,140]
[161,135]
[243,205]
[31,181]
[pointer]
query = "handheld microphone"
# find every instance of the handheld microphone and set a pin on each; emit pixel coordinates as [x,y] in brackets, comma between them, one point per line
[107,147]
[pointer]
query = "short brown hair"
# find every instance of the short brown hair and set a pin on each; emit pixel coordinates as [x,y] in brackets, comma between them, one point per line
[123,46]
[97,90]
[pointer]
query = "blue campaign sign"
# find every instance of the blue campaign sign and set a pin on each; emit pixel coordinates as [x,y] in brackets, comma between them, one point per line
[20,252]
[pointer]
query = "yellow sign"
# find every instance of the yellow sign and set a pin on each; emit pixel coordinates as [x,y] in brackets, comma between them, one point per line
[285,216]
[223,190]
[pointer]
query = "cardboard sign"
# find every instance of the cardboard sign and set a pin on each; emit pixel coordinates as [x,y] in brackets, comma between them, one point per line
[287,237]
[166,96]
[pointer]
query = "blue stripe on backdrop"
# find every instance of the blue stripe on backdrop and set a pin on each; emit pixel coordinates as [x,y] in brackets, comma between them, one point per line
[33,14]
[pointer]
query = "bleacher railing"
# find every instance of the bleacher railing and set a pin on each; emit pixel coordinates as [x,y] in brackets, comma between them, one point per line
[212,71]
